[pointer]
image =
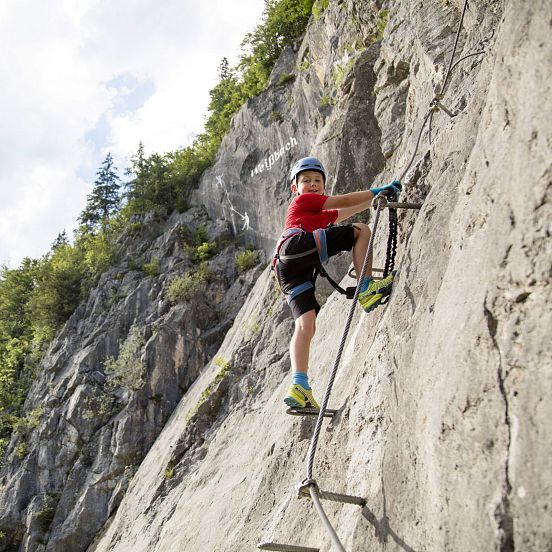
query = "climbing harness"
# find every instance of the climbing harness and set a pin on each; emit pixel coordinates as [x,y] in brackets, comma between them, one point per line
[322,250]
[309,486]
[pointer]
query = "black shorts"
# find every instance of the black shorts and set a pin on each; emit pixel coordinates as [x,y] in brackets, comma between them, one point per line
[292,272]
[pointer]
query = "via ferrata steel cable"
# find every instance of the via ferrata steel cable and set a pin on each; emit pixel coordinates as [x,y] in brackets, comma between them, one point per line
[314,442]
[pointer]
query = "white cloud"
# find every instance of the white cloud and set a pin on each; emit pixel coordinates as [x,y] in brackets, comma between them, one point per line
[83,77]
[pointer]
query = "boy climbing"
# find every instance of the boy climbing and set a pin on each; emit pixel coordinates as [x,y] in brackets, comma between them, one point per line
[309,239]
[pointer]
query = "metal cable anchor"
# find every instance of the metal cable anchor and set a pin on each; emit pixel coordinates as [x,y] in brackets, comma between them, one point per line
[381,198]
[303,488]
[436,104]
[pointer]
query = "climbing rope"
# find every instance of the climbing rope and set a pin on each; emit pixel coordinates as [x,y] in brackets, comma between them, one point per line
[314,442]
[277,547]
[442,91]
[435,103]
[309,482]
[327,523]
[404,173]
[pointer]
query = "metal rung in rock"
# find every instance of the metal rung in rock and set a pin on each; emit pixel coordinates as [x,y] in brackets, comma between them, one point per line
[285,547]
[398,205]
[328,413]
[347,499]
[303,490]
[382,200]
[436,104]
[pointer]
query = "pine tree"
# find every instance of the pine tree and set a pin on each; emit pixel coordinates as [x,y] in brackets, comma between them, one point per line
[105,198]
[226,99]
[61,240]
[137,187]
[224,70]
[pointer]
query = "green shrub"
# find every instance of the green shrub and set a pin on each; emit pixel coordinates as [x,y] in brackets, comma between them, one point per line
[98,253]
[340,71]
[286,78]
[3,446]
[169,472]
[29,422]
[283,21]
[59,280]
[20,347]
[115,298]
[200,234]
[381,23]
[152,269]
[224,370]
[21,450]
[196,245]
[183,288]
[246,260]
[127,370]
[99,405]
[12,537]
[252,326]
[203,251]
[45,516]
[304,65]
[325,101]
[135,264]
[135,228]
[275,117]
[221,362]
[318,8]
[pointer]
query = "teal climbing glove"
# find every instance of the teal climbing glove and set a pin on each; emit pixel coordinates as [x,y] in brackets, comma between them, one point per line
[393,189]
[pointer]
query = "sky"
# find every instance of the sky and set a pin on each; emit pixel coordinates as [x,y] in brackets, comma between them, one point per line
[81,78]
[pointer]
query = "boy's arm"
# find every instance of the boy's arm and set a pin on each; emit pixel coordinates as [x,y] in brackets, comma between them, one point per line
[352,199]
[354,202]
[346,212]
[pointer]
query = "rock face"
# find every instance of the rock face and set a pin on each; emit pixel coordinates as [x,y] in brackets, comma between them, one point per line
[95,426]
[443,396]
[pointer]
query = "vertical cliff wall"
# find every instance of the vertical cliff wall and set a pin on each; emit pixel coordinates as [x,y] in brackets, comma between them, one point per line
[443,396]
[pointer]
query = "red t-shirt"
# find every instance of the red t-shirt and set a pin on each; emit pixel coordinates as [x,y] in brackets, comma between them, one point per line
[305,211]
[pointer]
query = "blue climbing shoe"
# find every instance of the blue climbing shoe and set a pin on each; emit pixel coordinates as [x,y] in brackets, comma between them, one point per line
[298,397]
[372,296]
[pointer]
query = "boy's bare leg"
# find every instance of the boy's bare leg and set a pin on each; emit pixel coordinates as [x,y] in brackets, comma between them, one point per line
[299,346]
[362,237]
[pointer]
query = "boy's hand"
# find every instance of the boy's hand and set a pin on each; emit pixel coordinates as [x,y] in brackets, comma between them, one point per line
[394,189]
[397,185]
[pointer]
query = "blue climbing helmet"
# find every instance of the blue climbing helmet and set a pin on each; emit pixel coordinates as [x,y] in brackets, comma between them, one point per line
[307,164]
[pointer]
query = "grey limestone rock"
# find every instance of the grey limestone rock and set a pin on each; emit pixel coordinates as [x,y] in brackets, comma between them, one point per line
[443,396]
[96,426]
